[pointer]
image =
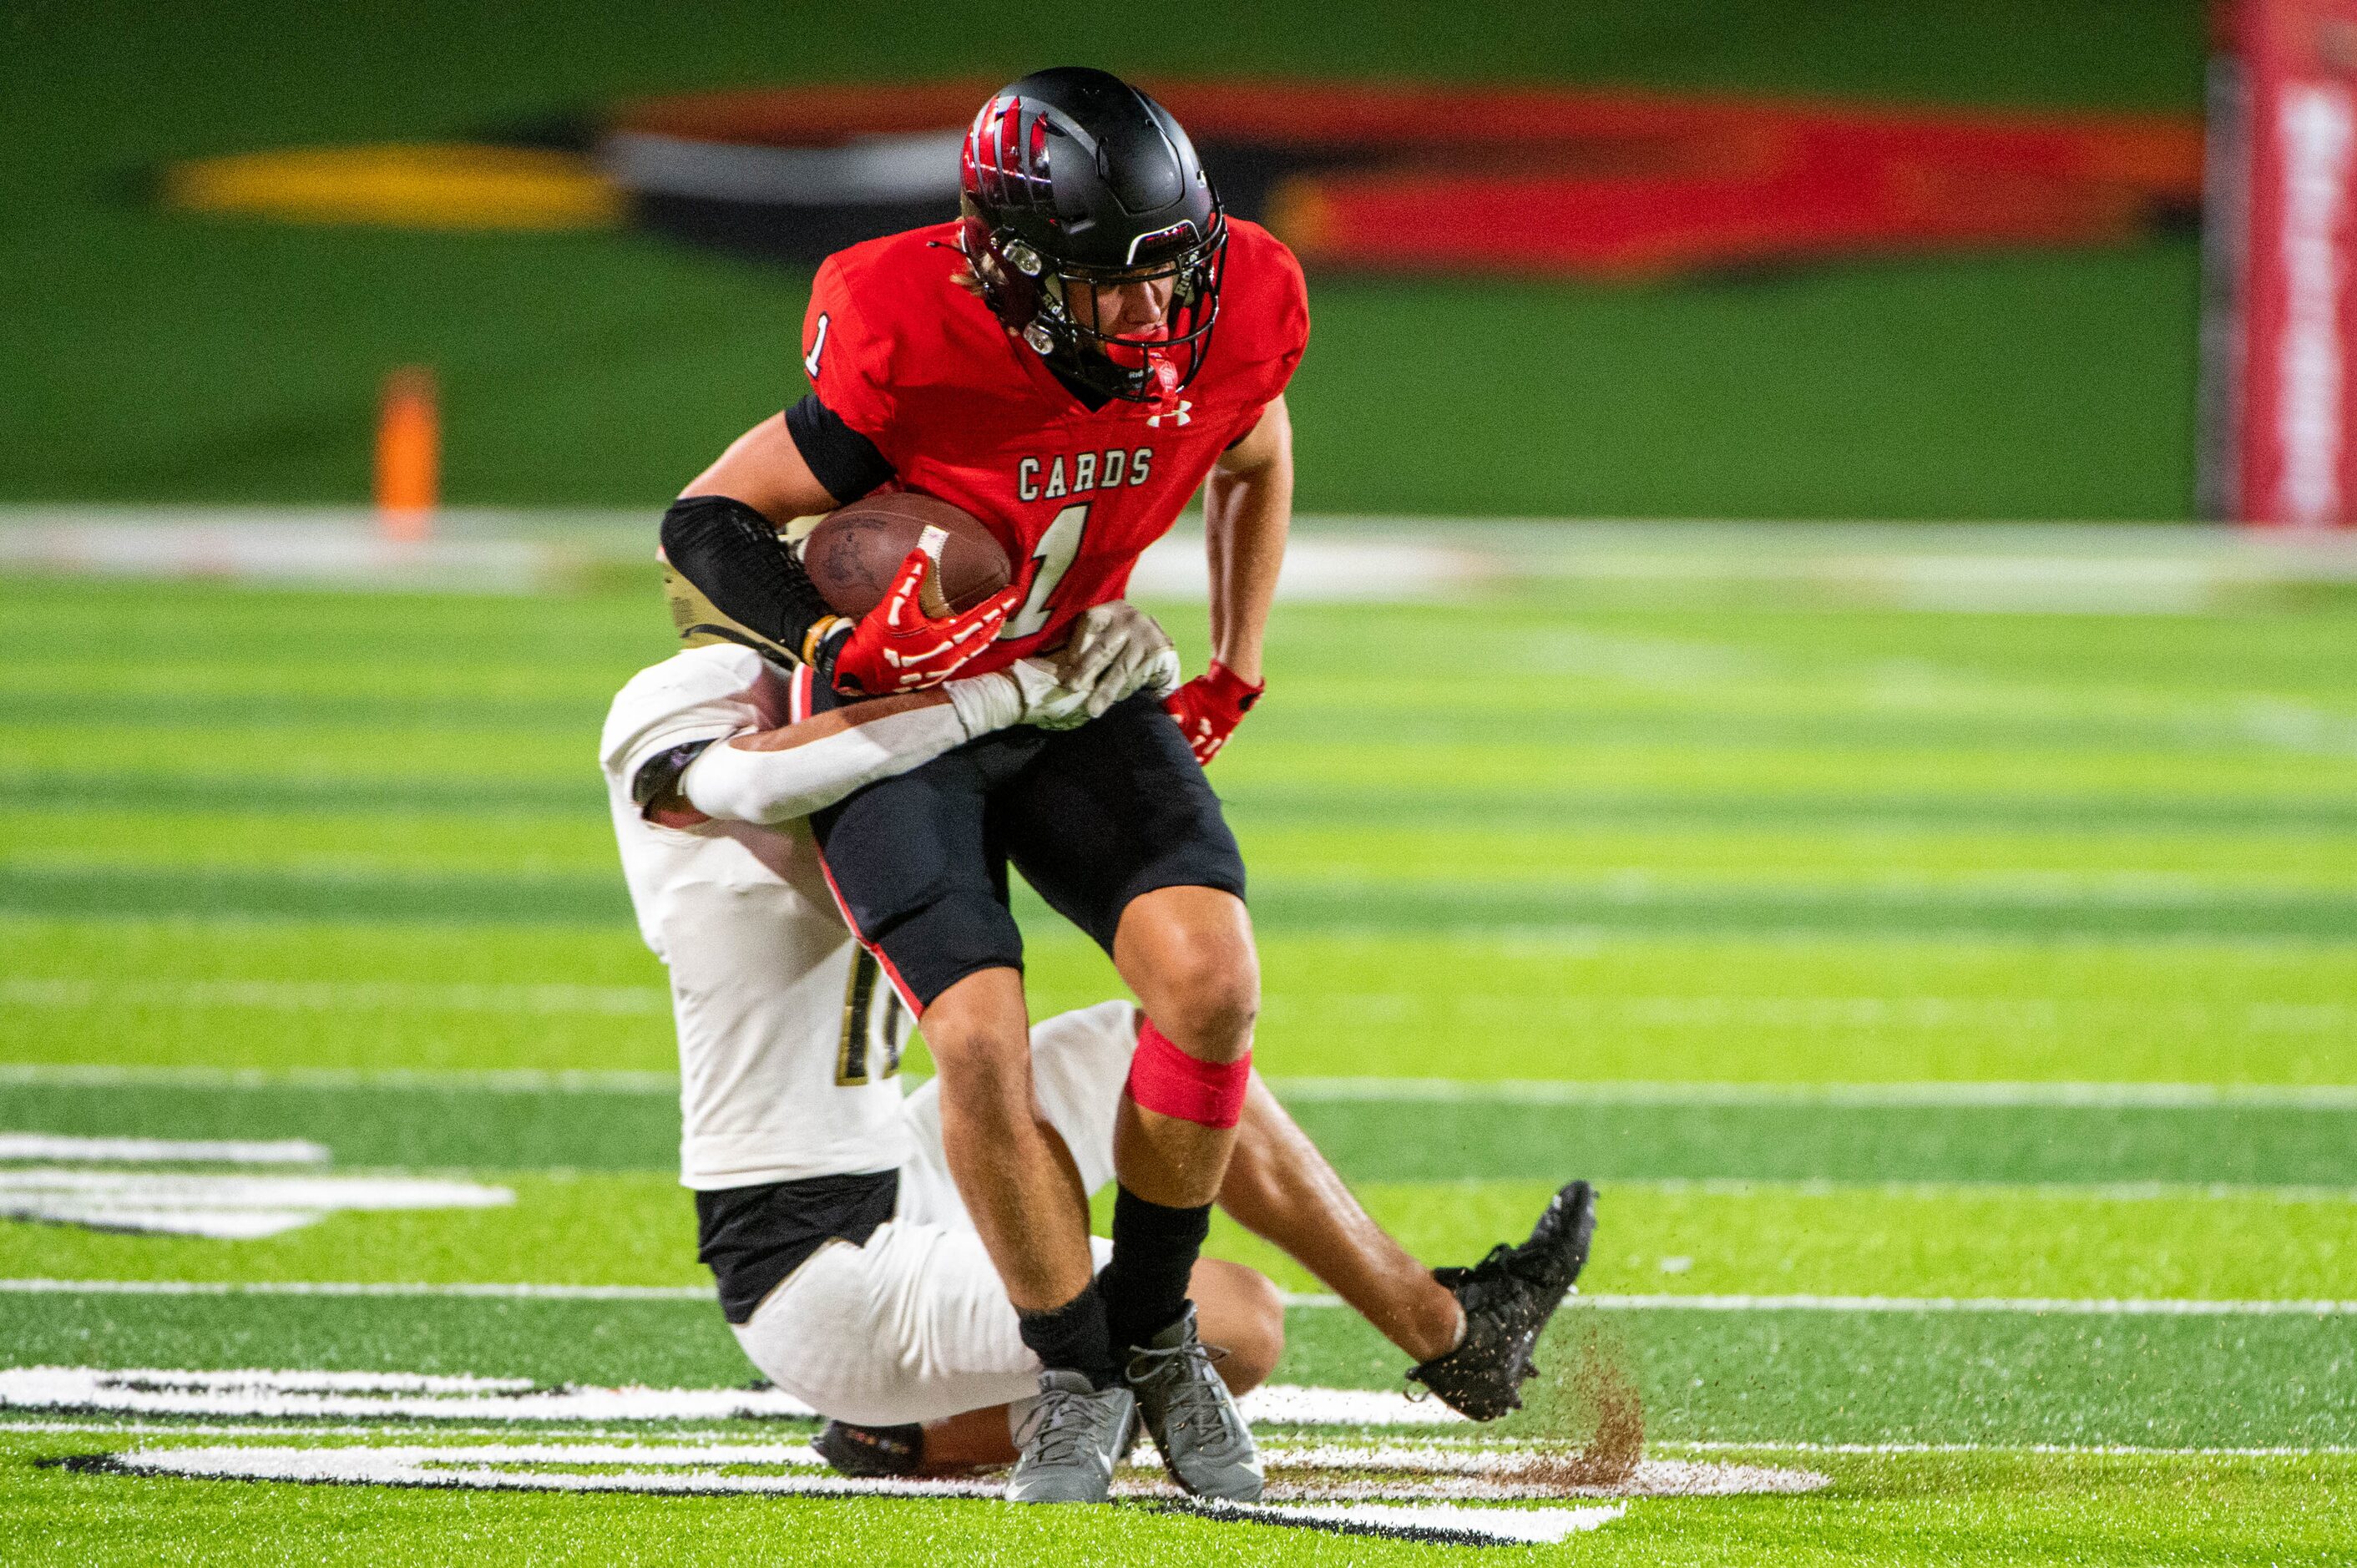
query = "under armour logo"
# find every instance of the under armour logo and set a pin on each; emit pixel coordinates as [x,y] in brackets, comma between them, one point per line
[1178,415]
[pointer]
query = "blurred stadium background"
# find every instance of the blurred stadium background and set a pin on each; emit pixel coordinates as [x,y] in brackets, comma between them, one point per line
[160,357]
[1902,855]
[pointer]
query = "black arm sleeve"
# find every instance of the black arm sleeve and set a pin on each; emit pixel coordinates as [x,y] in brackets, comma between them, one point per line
[841,459]
[732,553]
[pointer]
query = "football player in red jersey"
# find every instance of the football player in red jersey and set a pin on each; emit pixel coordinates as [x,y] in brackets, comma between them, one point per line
[1050,363]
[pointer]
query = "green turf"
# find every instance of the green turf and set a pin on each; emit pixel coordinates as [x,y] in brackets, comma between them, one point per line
[1335,904]
[451,1123]
[1884,1510]
[1439,1142]
[1704,1377]
[609,1344]
[340,842]
[1562,1004]
[154,357]
[636,1229]
[1862,845]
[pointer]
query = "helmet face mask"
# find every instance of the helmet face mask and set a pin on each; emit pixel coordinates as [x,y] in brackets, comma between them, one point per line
[1077,185]
[1149,365]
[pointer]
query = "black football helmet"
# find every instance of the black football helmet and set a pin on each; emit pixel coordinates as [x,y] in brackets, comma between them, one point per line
[1075,180]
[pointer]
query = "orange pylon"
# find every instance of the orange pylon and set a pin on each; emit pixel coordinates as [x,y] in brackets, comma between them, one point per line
[408,455]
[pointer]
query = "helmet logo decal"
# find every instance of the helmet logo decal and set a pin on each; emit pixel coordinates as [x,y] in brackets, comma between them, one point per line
[1183,229]
[1099,242]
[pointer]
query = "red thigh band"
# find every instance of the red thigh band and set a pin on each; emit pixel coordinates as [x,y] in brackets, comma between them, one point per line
[1166,1080]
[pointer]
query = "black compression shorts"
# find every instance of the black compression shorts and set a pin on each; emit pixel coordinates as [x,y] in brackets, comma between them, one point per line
[1092,817]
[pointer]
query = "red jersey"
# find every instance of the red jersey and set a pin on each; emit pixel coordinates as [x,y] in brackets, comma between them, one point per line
[902,353]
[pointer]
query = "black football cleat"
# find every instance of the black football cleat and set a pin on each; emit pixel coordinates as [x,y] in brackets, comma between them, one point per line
[1508,1298]
[869,1452]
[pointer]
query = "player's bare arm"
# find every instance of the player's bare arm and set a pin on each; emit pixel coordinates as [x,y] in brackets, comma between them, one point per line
[666,796]
[766,471]
[780,773]
[1247,511]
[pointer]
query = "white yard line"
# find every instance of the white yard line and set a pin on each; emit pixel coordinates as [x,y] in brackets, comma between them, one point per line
[494,1290]
[225,1207]
[2100,568]
[2067,1306]
[365,1396]
[441,1430]
[2013,1014]
[2099,1450]
[1877,1096]
[656,1468]
[1975,1191]
[1811,1011]
[278,1429]
[499,1081]
[325,996]
[266,1393]
[161,1151]
[489,551]
[355,1288]
[206,1191]
[2079,1306]
[1303,1089]
[155,1219]
[2129,1306]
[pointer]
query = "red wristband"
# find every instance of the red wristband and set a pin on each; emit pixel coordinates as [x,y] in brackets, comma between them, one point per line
[1231,688]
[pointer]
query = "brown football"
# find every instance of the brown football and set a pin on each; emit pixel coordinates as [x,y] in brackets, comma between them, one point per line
[856,549]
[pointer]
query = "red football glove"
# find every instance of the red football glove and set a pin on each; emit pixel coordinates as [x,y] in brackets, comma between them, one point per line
[1209,708]
[897,647]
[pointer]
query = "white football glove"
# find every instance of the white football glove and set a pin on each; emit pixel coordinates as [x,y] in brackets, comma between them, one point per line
[1115,651]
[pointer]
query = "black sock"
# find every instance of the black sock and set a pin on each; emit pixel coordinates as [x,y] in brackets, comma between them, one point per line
[1073,1338]
[1154,1250]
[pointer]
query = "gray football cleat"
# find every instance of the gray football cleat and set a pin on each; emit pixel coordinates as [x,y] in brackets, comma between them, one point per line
[1192,1417]
[1069,1438]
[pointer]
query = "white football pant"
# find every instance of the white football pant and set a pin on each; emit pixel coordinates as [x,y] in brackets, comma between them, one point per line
[916,1325]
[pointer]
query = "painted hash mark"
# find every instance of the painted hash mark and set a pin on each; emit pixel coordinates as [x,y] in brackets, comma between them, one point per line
[1412,1493]
[223,1208]
[395,1396]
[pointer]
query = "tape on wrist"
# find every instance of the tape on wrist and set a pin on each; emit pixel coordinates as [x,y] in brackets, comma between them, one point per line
[985,704]
[815,638]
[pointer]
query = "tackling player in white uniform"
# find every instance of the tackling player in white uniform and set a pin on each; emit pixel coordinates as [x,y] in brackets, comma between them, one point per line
[846,1263]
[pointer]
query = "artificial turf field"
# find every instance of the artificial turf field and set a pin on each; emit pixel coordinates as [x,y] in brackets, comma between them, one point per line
[1997,965]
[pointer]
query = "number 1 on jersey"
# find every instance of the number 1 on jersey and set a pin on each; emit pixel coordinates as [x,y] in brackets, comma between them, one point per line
[1056,552]
[818,347]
